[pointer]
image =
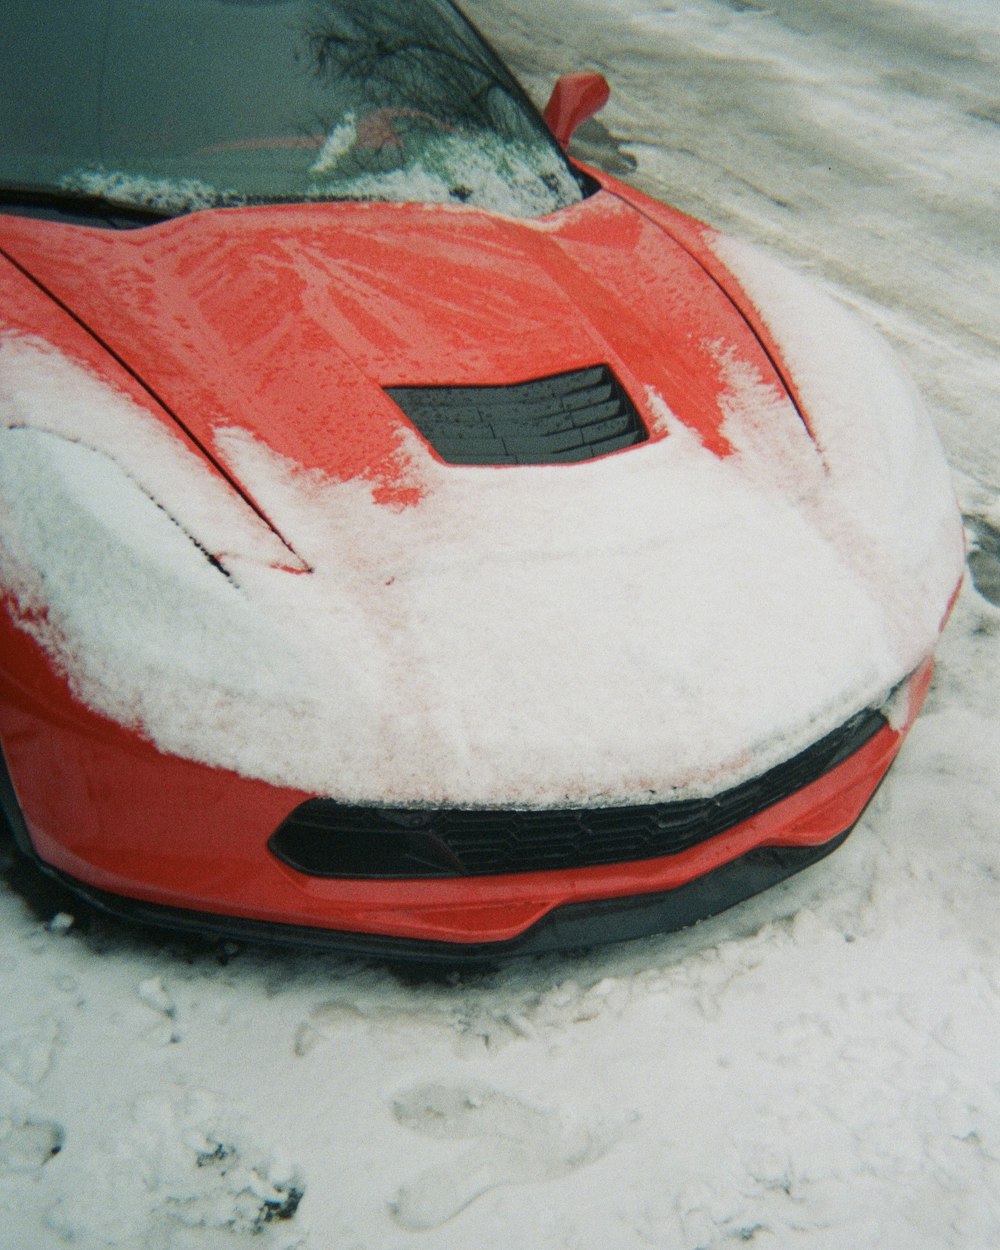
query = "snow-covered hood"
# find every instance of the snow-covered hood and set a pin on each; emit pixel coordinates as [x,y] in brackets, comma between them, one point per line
[664,621]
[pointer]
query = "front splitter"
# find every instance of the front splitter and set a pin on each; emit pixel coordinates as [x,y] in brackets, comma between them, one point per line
[570,926]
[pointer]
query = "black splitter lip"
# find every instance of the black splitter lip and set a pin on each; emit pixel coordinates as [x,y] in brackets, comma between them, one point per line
[571,926]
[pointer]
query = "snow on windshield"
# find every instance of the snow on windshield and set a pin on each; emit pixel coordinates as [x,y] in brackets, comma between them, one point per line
[484,171]
[183,195]
[502,176]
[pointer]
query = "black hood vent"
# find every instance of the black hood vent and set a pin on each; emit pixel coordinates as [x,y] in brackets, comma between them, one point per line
[570,416]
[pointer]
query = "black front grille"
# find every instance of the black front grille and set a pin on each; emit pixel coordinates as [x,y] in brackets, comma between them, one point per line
[325,838]
[571,416]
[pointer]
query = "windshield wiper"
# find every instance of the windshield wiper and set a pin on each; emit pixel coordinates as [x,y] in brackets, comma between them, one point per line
[81,208]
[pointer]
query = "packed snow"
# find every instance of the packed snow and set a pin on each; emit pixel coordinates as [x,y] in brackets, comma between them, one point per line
[816,1068]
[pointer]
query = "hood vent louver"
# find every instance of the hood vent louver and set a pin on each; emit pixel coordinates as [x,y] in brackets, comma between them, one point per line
[555,420]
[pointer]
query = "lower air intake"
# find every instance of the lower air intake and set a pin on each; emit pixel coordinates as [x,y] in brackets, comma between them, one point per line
[571,416]
[324,838]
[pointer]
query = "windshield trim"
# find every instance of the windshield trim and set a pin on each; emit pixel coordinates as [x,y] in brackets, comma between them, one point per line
[60,203]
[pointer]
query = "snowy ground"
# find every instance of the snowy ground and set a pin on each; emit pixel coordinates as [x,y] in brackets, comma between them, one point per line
[816,1069]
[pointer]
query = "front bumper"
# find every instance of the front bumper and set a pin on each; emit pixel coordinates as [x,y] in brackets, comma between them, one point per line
[166,840]
[569,926]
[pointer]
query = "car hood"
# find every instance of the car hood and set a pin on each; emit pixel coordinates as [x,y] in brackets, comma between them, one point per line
[663,621]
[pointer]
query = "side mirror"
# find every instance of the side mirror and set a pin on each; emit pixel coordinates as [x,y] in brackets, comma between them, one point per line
[575,99]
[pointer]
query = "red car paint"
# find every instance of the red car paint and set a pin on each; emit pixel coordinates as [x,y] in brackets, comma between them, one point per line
[288,320]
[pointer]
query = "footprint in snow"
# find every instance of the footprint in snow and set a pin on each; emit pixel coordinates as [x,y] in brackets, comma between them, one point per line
[26,1145]
[27,1057]
[511,1144]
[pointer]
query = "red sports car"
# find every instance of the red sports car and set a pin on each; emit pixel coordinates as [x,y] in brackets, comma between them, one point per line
[409,538]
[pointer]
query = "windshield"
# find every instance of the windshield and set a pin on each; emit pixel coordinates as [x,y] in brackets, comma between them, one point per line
[175,105]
